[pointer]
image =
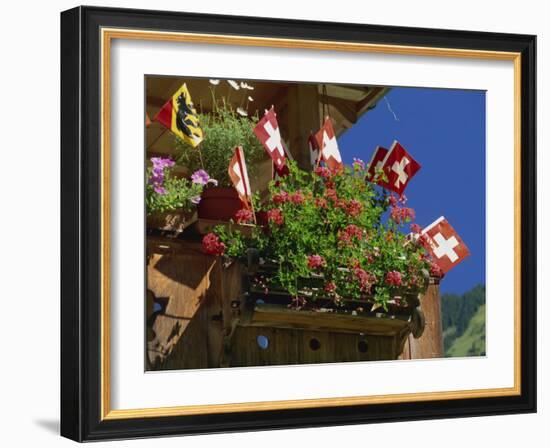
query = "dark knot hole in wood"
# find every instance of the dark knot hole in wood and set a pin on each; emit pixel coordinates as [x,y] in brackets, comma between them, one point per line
[314,344]
[363,346]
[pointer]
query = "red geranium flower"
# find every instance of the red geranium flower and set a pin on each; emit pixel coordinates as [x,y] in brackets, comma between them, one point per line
[212,245]
[355,231]
[401,214]
[331,194]
[244,216]
[275,215]
[364,278]
[321,203]
[315,261]
[353,207]
[330,287]
[323,172]
[280,198]
[415,228]
[435,270]
[297,198]
[351,231]
[394,278]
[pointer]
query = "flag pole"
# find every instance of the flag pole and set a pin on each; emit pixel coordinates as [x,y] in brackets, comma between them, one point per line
[253,211]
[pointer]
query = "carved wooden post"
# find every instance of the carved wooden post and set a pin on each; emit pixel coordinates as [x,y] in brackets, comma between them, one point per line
[430,344]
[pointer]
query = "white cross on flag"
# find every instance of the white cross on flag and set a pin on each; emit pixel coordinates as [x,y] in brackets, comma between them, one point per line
[326,139]
[445,246]
[267,131]
[376,162]
[239,176]
[399,167]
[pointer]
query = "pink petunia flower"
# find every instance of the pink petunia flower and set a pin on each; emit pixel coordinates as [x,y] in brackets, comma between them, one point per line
[358,164]
[202,177]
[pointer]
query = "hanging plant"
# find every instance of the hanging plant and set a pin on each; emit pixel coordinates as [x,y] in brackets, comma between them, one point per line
[166,192]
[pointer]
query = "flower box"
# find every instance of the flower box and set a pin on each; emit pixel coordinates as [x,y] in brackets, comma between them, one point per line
[270,330]
[204,226]
[219,203]
[174,222]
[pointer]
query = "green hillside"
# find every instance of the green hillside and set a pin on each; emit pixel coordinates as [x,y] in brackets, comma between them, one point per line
[463,319]
[472,341]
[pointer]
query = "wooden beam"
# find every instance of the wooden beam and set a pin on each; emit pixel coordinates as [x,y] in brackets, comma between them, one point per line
[346,107]
[351,93]
[277,316]
[375,94]
[303,118]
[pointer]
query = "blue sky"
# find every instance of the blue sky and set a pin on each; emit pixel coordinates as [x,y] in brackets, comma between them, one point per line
[444,130]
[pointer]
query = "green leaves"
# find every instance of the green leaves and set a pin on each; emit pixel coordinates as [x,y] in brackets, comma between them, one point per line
[223,131]
[341,218]
[179,194]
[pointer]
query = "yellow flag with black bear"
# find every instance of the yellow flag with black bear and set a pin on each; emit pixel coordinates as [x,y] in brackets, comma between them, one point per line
[180,116]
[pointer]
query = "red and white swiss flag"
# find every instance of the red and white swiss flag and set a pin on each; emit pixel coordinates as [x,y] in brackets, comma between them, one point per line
[239,176]
[313,150]
[399,167]
[328,146]
[444,244]
[376,162]
[267,131]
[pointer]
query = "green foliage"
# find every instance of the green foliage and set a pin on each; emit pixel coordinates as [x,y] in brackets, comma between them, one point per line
[459,313]
[472,341]
[179,193]
[223,130]
[337,217]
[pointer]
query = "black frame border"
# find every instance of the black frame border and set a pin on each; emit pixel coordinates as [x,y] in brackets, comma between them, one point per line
[81,223]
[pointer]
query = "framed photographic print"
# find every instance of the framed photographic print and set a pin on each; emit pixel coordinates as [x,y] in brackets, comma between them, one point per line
[274,224]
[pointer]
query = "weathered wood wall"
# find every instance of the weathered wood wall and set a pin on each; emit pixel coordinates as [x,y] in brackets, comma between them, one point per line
[196,293]
[292,346]
[430,344]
